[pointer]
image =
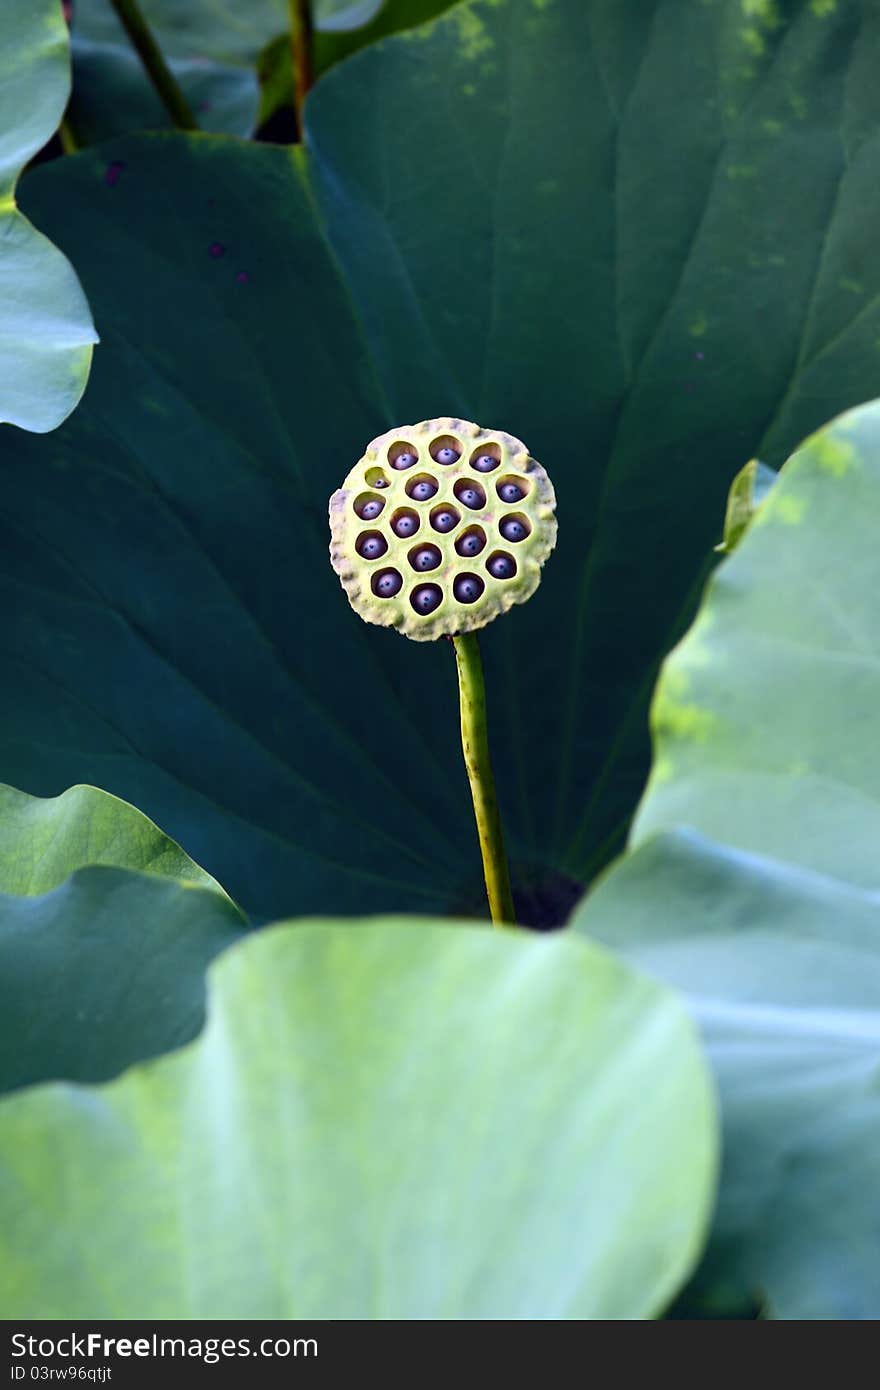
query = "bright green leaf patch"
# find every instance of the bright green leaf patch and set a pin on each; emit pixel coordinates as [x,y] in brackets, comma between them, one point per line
[766,912]
[747,492]
[46,330]
[389,1120]
[43,841]
[785,657]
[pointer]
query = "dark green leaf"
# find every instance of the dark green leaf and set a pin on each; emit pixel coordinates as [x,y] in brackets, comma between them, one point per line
[573,221]
[172,622]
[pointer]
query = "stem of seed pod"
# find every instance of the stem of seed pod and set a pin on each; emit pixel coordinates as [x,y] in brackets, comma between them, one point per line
[157,69]
[66,137]
[475,745]
[301,48]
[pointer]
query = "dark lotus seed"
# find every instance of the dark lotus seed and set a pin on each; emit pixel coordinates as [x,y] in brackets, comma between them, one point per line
[512,529]
[404,460]
[426,597]
[427,557]
[422,491]
[470,495]
[405,525]
[447,455]
[444,519]
[470,544]
[501,566]
[387,584]
[467,588]
[484,463]
[510,492]
[370,510]
[371,545]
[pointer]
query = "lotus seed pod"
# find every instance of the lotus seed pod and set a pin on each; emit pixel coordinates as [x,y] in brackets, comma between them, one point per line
[460,532]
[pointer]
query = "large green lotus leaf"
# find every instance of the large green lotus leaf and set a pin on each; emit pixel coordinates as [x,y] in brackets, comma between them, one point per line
[46,330]
[103,971]
[389,1120]
[43,841]
[573,221]
[173,629]
[211,48]
[766,911]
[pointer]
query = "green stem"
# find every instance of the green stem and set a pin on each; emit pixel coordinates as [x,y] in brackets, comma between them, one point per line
[301,50]
[66,136]
[156,68]
[475,745]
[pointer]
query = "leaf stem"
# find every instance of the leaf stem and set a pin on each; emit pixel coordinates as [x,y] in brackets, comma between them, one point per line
[301,50]
[475,745]
[66,136]
[156,68]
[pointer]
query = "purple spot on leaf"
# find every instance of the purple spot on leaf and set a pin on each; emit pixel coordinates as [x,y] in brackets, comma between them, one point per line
[113,171]
[699,356]
[216,250]
[242,277]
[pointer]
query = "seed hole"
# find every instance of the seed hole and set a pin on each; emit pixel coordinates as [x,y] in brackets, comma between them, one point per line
[471,542]
[426,598]
[368,506]
[424,557]
[377,477]
[402,455]
[515,528]
[470,495]
[370,545]
[501,565]
[512,489]
[422,488]
[445,518]
[386,583]
[468,588]
[445,450]
[486,457]
[405,522]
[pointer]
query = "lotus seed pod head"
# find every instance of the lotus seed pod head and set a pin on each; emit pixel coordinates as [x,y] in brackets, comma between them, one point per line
[441,527]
